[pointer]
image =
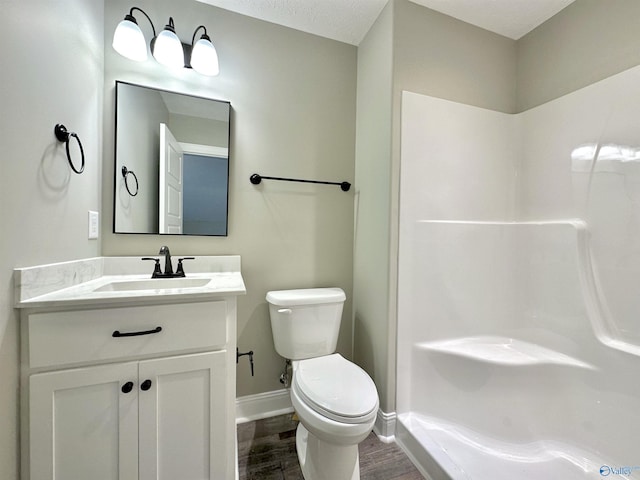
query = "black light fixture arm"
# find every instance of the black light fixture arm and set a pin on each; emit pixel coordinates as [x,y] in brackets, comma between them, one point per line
[131,18]
[204,35]
[257,178]
[170,26]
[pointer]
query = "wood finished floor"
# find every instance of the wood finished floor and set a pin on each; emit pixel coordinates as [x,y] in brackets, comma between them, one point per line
[267,451]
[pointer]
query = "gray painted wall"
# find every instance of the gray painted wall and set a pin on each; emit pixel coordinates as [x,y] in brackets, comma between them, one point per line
[52,68]
[437,55]
[372,327]
[587,41]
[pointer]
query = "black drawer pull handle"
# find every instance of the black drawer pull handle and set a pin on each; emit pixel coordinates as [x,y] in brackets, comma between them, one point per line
[118,334]
[146,385]
[127,387]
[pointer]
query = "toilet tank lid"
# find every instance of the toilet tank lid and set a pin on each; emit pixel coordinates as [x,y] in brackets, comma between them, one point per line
[305,296]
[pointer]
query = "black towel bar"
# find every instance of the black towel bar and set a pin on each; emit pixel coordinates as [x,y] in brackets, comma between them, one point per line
[256,179]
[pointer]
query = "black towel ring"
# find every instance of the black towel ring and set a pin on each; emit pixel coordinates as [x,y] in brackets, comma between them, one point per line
[126,172]
[63,136]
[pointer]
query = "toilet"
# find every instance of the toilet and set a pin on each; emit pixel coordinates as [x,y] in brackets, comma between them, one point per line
[335,400]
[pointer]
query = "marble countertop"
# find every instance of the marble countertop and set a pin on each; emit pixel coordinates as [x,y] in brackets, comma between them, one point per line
[82,282]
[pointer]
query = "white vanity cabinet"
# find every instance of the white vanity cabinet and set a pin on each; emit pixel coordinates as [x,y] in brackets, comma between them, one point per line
[129,392]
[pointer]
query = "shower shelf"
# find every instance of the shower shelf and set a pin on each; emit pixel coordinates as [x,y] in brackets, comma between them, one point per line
[502,351]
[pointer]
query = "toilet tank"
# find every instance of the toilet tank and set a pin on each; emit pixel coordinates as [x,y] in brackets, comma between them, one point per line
[305,323]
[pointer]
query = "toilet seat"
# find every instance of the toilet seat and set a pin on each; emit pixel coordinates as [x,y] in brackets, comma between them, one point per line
[336,388]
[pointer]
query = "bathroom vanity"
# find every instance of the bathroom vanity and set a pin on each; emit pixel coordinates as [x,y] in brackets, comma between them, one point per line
[124,377]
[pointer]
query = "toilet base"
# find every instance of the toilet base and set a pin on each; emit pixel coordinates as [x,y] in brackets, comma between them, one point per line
[320,460]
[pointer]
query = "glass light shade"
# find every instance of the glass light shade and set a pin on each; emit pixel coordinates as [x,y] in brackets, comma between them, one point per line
[204,58]
[129,41]
[167,50]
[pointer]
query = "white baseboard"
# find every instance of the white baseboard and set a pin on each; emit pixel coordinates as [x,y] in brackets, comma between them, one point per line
[385,426]
[278,402]
[263,405]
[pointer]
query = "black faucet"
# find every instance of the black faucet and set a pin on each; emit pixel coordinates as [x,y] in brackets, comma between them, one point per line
[168,267]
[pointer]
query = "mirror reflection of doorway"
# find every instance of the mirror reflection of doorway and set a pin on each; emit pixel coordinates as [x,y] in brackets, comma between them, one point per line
[171,183]
[193,187]
[205,194]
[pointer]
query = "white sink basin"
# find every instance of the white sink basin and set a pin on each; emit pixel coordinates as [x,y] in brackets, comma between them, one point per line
[152,284]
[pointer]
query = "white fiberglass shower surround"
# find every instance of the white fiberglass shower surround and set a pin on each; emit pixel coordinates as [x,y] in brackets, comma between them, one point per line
[519,287]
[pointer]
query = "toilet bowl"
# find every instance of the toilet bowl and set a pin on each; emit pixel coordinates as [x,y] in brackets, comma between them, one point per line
[336,401]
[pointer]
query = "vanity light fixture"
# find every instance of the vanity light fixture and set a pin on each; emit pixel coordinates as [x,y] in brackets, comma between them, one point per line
[204,58]
[166,47]
[128,39]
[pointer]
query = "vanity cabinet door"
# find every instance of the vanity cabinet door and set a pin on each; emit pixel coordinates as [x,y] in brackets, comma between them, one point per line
[183,411]
[84,423]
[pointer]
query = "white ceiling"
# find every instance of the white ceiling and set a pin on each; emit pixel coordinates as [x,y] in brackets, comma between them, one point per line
[349,20]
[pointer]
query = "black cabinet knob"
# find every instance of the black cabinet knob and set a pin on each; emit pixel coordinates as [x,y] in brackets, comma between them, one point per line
[146,385]
[127,387]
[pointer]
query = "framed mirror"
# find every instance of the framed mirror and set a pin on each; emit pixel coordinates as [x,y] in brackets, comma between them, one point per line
[172,163]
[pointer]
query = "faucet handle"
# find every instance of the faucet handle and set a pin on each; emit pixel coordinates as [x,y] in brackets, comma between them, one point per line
[156,268]
[180,268]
